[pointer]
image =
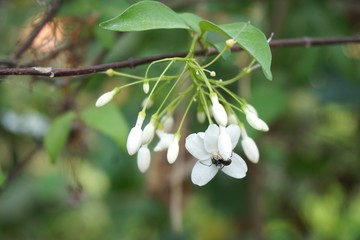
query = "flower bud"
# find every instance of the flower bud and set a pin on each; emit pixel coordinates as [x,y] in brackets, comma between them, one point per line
[212,73]
[135,136]
[168,123]
[110,72]
[143,158]
[105,98]
[146,87]
[224,144]
[201,117]
[134,140]
[253,119]
[173,150]
[218,111]
[230,42]
[165,140]
[149,132]
[148,101]
[250,149]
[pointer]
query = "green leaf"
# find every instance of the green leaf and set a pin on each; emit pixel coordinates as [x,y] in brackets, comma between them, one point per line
[58,134]
[192,21]
[109,121]
[249,38]
[145,15]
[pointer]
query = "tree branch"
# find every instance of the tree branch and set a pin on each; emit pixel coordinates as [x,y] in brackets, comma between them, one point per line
[48,16]
[61,72]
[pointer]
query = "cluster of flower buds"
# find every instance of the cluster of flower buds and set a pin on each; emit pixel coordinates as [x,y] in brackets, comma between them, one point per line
[213,148]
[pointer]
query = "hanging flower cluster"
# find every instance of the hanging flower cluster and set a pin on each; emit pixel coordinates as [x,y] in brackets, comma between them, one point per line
[194,85]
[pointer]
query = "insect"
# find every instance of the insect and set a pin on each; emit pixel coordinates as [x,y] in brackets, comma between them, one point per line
[219,162]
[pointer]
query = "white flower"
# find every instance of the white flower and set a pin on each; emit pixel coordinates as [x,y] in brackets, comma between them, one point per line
[143,158]
[253,119]
[204,147]
[135,136]
[165,140]
[105,98]
[218,111]
[250,149]
[173,150]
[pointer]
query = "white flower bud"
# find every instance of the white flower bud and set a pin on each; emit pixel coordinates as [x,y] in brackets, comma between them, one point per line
[253,119]
[148,101]
[212,73]
[143,158]
[230,42]
[224,144]
[201,117]
[134,140]
[218,111]
[232,119]
[168,123]
[135,136]
[173,150]
[149,132]
[146,87]
[165,140]
[250,149]
[105,98]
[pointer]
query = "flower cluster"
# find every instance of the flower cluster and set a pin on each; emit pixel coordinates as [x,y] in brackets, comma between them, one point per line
[213,148]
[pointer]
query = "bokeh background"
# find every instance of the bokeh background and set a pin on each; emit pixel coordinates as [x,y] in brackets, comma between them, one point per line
[306,185]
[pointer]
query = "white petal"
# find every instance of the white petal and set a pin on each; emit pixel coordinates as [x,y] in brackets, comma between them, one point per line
[202,173]
[134,140]
[168,123]
[234,132]
[237,168]
[195,145]
[211,138]
[224,144]
[250,109]
[173,150]
[143,159]
[250,149]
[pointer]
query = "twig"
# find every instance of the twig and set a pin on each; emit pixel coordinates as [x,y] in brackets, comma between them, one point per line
[48,16]
[61,72]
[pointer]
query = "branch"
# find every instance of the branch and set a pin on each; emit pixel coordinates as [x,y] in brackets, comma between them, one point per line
[48,16]
[130,63]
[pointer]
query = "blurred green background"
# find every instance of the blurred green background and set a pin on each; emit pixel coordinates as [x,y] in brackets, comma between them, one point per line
[306,185]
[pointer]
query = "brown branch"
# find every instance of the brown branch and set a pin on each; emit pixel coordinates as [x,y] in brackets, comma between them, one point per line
[47,17]
[61,72]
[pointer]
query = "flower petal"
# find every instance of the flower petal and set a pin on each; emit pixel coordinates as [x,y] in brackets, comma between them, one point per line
[237,168]
[234,131]
[224,144]
[211,138]
[195,145]
[202,173]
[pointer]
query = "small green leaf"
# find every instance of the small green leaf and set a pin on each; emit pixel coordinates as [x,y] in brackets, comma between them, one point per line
[249,38]
[145,15]
[192,21]
[109,121]
[58,134]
